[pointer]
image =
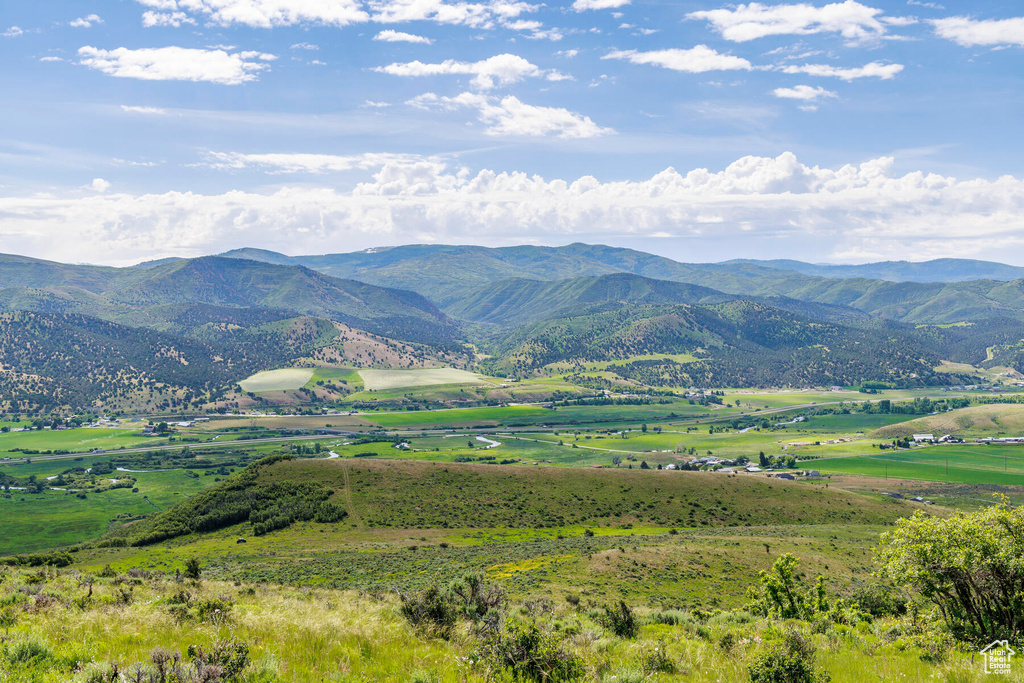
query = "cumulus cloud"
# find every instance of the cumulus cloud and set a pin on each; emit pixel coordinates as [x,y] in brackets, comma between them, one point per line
[266,13]
[971,32]
[806,93]
[392,36]
[271,13]
[100,185]
[510,117]
[13,32]
[173,19]
[879,70]
[851,19]
[175,64]
[584,5]
[86,22]
[488,73]
[473,14]
[861,211]
[305,46]
[132,109]
[304,163]
[695,60]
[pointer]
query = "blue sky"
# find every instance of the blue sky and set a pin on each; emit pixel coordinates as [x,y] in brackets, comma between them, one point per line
[845,132]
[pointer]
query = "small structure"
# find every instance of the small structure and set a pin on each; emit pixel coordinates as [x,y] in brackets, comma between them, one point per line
[785,475]
[924,438]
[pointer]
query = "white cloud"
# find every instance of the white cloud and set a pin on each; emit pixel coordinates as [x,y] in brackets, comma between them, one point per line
[304,163]
[271,13]
[851,19]
[51,58]
[86,22]
[699,59]
[174,64]
[99,185]
[305,46]
[143,110]
[509,117]
[858,211]
[376,105]
[804,92]
[392,36]
[535,29]
[267,13]
[879,70]
[173,19]
[584,5]
[568,54]
[474,14]
[13,32]
[971,32]
[488,73]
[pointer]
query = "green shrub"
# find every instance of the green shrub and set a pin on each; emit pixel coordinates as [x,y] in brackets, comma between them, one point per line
[621,621]
[791,661]
[526,653]
[968,565]
[431,610]
[673,617]
[29,652]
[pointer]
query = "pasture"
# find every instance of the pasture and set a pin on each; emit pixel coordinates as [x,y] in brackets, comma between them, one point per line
[76,440]
[399,379]
[285,379]
[1000,465]
[52,519]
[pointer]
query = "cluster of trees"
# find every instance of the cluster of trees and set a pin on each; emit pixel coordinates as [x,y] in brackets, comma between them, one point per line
[242,498]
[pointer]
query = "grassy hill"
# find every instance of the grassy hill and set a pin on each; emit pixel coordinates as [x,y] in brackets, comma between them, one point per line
[984,420]
[404,495]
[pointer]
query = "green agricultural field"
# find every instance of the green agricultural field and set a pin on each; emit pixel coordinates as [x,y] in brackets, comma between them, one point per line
[332,374]
[76,440]
[52,519]
[1001,465]
[400,379]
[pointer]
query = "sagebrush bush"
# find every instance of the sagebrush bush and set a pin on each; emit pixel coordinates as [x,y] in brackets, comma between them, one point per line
[621,620]
[528,653]
[791,661]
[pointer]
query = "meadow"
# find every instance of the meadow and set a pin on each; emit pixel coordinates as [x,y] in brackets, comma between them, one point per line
[34,522]
[1002,465]
[98,627]
[76,440]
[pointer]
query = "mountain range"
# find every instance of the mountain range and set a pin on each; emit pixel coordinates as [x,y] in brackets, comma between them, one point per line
[749,323]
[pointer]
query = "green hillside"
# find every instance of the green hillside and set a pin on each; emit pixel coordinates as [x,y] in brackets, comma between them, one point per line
[936,270]
[739,343]
[53,361]
[403,494]
[140,296]
[444,273]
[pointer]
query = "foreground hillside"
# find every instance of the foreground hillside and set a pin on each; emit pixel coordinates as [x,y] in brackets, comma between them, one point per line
[63,626]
